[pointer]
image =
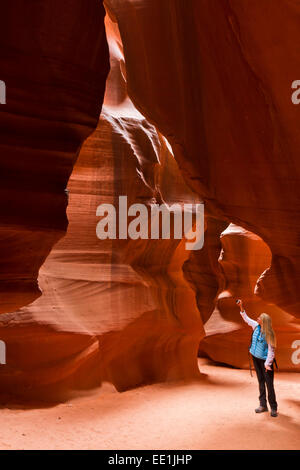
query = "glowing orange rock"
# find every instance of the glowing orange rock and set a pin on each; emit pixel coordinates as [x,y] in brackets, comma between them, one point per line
[201,71]
[114,310]
[243,257]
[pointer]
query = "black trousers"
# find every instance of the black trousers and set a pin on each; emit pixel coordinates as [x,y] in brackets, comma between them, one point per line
[265,378]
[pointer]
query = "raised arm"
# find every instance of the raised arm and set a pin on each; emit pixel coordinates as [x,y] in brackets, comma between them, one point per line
[245,317]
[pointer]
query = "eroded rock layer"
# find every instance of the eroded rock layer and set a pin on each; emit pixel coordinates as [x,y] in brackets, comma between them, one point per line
[242,258]
[54,63]
[216,80]
[212,79]
[115,310]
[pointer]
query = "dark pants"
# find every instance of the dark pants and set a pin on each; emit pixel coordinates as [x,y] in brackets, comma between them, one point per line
[265,377]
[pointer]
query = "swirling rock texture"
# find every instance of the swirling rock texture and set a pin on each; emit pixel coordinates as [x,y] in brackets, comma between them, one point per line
[55,85]
[202,268]
[207,80]
[242,258]
[111,310]
[216,80]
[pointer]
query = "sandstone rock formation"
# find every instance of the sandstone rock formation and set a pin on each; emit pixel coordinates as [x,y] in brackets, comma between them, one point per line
[54,85]
[114,310]
[197,107]
[202,268]
[216,80]
[243,257]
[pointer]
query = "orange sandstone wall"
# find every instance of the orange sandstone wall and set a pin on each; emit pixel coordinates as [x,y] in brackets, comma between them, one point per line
[216,79]
[242,258]
[114,310]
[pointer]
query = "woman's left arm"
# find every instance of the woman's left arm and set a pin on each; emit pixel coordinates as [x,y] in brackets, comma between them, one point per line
[270,357]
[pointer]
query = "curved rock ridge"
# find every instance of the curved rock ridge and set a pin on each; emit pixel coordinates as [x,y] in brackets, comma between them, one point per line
[243,256]
[202,269]
[54,62]
[216,81]
[111,310]
[194,110]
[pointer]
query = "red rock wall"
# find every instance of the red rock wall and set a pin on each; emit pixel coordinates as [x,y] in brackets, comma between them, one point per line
[114,310]
[216,80]
[54,62]
[202,268]
[242,258]
[222,96]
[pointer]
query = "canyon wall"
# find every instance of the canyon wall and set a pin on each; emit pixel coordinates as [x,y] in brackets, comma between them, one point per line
[216,80]
[111,310]
[197,108]
[55,85]
[243,257]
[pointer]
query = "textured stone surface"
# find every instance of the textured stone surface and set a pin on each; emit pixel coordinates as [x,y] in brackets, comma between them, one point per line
[132,312]
[242,258]
[114,310]
[216,80]
[202,268]
[54,62]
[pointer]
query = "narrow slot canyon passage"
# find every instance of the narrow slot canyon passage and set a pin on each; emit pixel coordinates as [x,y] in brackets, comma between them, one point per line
[112,338]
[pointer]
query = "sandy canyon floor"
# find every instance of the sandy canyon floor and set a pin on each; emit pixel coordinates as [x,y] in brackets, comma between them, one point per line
[215,413]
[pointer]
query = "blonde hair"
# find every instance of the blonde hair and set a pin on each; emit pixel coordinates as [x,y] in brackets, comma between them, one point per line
[267,330]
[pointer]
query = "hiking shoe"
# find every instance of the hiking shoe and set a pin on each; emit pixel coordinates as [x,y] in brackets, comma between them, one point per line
[261,409]
[274,413]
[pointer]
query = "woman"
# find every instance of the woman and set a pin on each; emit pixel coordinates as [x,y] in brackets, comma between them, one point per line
[262,350]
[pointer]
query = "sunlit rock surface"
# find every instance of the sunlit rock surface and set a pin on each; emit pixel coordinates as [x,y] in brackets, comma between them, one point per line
[242,258]
[114,310]
[209,81]
[216,79]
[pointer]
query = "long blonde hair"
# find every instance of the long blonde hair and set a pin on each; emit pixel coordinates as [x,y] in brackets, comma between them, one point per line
[267,330]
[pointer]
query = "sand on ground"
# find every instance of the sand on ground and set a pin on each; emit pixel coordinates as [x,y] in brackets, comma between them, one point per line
[216,412]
